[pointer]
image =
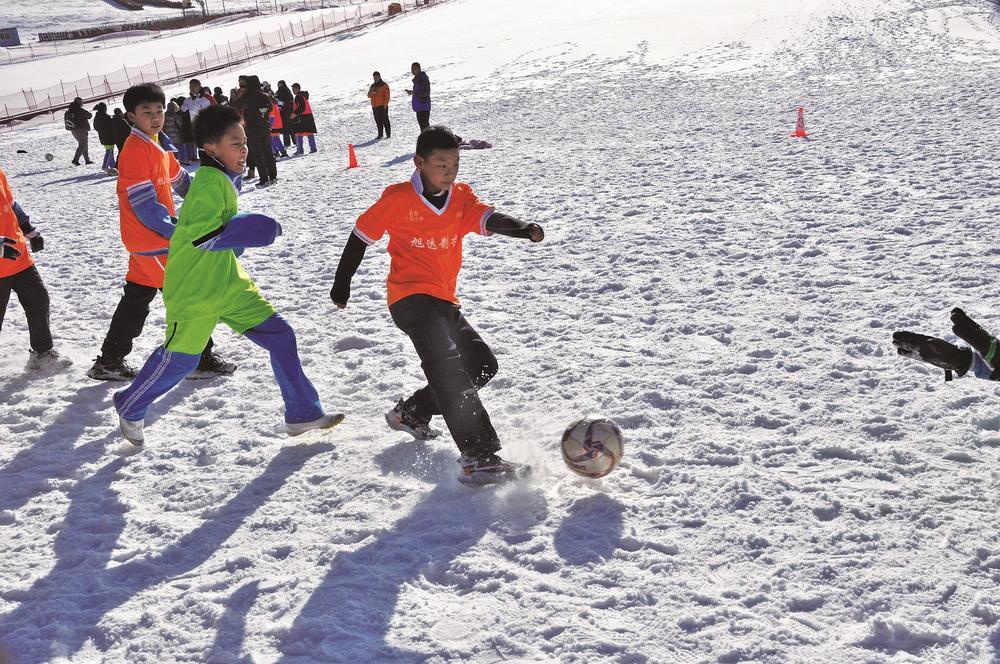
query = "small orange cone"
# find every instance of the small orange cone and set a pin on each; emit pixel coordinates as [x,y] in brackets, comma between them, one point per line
[352,161]
[800,126]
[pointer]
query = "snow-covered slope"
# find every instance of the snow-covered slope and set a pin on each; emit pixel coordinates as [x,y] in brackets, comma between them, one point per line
[792,490]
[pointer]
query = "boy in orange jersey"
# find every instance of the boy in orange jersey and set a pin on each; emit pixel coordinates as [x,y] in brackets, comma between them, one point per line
[148,176]
[426,219]
[18,274]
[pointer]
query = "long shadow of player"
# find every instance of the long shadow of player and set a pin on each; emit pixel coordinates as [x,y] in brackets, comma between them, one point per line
[60,612]
[55,453]
[347,618]
[591,532]
[231,627]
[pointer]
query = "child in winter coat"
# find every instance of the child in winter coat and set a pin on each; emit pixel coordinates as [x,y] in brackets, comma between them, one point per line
[302,117]
[18,274]
[106,135]
[206,284]
[277,130]
[426,219]
[148,178]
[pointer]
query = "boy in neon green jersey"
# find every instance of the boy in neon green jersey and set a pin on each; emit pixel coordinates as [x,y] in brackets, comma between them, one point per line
[205,284]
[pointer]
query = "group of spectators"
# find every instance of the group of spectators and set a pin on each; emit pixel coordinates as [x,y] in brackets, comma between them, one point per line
[274,120]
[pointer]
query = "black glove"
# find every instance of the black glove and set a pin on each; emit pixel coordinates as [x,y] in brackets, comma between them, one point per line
[7,249]
[340,293]
[934,351]
[36,241]
[984,343]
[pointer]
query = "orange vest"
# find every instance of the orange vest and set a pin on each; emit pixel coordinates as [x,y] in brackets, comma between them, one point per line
[425,244]
[277,125]
[9,228]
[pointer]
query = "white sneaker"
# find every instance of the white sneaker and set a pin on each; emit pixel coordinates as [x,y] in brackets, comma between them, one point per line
[47,360]
[325,422]
[132,430]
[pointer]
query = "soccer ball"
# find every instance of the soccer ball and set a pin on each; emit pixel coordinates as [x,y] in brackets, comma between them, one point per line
[592,447]
[49,157]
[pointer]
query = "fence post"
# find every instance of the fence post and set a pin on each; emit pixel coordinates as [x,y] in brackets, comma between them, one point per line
[61,87]
[177,69]
[127,79]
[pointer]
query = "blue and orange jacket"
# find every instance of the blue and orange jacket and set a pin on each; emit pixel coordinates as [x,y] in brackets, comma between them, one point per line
[148,176]
[15,225]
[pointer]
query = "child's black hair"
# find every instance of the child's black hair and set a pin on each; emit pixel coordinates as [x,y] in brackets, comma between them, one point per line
[436,137]
[213,123]
[144,93]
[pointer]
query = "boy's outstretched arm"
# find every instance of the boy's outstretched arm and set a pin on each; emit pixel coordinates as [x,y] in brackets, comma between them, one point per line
[244,230]
[354,251]
[503,224]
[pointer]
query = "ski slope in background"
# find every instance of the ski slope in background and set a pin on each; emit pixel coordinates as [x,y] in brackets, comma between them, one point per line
[791,491]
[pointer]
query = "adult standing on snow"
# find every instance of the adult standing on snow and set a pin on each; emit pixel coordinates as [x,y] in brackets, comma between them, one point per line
[77,120]
[193,105]
[379,94]
[285,101]
[421,96]
[255,106]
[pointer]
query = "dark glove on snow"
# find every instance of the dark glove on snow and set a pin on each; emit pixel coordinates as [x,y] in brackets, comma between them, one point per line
[934,351]
[985,344]
[340,293]
[7,249]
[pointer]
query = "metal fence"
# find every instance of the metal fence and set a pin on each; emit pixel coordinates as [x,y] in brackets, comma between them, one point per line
[170,69]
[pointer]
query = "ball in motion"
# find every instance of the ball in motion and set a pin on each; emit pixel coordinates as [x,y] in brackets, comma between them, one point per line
[49,157]
[592,447]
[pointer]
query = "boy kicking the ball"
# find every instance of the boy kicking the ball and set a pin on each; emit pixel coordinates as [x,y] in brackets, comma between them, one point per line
[205,284]
[426,219]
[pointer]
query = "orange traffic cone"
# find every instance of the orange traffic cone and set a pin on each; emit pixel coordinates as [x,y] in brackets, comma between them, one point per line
[352,161]
[800,126]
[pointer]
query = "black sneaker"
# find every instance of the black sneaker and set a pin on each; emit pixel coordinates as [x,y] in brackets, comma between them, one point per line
[490,469]
[210,366]
[112,368]
[934,351]
[402,418]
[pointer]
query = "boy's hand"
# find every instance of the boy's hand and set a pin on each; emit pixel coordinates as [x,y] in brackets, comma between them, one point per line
[36,241]
[7,249]
[535,233]
[409,92]
[340,294]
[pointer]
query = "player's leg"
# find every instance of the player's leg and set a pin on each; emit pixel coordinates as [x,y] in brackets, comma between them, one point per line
[34,299]
[428,321]
[165,368]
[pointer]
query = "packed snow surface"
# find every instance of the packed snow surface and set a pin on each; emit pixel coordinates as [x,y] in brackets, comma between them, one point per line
[791,490]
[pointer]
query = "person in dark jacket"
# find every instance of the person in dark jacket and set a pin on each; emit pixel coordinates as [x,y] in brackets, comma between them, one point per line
[173,124]
[106,135]
[120,130]
[222,99]
[77,120]
[285,102]
[421,96]
[302,118]
[378,92]
[255,106]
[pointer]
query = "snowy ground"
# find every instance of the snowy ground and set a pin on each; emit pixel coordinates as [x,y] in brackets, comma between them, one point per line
[792,491]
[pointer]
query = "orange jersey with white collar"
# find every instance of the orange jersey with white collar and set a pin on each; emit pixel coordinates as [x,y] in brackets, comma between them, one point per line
[148,176]
[425,243]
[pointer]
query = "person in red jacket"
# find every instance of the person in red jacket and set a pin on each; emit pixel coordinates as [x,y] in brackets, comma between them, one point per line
[18,274]
[277,129]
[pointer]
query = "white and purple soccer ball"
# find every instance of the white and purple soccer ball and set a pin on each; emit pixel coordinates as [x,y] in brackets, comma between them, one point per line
[592,447]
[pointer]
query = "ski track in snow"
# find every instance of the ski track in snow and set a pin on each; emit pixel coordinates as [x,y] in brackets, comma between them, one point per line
[791,490]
